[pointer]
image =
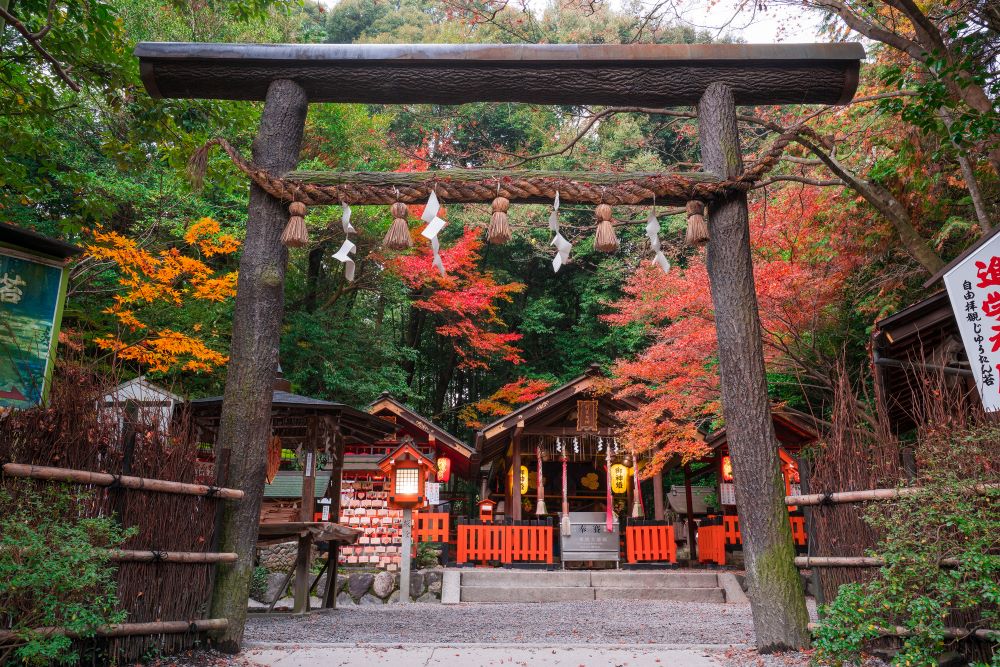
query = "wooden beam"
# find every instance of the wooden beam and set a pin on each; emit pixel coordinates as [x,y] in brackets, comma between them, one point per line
[515,486]
[306,509]
[129,555]
[561,431]
[105,479]
[655,75]
[658,496]
[876,494]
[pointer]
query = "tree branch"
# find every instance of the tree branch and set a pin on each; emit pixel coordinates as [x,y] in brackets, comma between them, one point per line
[35,40]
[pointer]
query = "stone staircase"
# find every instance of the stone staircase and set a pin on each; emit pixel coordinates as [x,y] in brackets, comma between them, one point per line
[497,585]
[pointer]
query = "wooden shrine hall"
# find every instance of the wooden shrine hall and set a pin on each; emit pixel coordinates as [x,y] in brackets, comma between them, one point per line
[319,430]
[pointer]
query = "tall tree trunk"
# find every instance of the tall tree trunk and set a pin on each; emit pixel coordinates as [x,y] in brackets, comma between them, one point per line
[776,596]
[246,410]
[445,374]
[314,273]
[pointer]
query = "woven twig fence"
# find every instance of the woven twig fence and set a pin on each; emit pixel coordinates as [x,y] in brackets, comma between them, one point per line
[71,433]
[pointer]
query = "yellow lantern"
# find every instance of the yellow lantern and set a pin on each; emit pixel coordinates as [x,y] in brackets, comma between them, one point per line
[619,478]
[524,479]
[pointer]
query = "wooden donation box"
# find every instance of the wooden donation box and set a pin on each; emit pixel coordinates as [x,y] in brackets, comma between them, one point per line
[589,538]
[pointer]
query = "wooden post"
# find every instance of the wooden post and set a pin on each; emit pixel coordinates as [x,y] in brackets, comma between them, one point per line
[246,411]
[515,483]
[306,511]
[333,490]
[658,496]
[692,531]
[777,600]
[404,561]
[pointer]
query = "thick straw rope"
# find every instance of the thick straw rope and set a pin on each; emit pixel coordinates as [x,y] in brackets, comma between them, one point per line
[628,192]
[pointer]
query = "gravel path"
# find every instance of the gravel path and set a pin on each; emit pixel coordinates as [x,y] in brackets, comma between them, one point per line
[598,622]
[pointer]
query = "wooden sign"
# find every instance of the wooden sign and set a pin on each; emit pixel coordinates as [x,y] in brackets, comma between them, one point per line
[586,415]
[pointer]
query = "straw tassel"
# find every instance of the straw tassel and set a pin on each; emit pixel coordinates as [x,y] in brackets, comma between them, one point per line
[697,229]
[606,241]
[540,508]
[296,235]
[398,237]
[499,232]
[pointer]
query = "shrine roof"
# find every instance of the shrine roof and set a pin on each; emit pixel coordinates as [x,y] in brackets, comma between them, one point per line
[387,402]
[792,427]
[33,241]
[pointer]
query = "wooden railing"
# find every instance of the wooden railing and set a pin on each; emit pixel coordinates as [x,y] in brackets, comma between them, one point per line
[712,544]
[431,526]
[731,523]
[525,542]
[650,541]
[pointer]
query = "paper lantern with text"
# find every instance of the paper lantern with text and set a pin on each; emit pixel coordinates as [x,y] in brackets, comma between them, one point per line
[619,478]
[407,471]
[443,469]
[524,479]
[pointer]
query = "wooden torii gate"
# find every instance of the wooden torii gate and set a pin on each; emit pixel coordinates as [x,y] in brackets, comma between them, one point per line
[715,77]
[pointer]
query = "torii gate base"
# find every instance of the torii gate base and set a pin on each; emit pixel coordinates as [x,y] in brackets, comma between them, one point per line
[717,77]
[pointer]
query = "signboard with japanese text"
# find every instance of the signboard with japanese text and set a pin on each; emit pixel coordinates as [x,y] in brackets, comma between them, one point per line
[31,293]
[974,291]
[589,538]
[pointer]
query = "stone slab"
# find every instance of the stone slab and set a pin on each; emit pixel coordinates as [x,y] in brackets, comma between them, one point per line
[630,579]
[526,594]
[734,592]
[526,578]
[481,655]
[677,594]
[451,587]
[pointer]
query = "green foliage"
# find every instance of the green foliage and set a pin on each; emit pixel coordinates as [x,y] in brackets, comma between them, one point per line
[52,570]
[428,555]
[258,582]
[912,590]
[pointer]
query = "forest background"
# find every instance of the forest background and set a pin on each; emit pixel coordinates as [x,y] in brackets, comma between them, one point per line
[869,202]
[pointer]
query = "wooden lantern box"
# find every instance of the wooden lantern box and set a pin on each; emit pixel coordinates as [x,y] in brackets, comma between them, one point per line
[407,471]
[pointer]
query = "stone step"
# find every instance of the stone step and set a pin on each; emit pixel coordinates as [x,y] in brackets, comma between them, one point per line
[527,594]
[524,578]
[676,594]
[653,580]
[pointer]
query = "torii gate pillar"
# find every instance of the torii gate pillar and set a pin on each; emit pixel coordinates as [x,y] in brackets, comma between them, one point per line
[776,598]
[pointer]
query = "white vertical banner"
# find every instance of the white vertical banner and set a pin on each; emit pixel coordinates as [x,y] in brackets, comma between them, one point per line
[433,493]
[974,291]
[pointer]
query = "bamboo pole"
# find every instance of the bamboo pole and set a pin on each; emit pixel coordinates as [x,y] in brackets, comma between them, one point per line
[126,555]
[105,479]
[875,494]
[806,562]
[951,633]
[130,629]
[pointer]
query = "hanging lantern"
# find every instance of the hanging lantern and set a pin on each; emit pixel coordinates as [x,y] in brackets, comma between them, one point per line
[697,230]
[727,469]
[443,469]
[296,235]
[398,237]
[499,232]
[619,478]
[606,241]
[523,480]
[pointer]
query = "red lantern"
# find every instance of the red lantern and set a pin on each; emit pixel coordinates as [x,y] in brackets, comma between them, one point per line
[727,469]
[443,469]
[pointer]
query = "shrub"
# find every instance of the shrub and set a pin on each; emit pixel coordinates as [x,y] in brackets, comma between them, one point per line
[258,583]
[912,590]
[54,571]
[427,555]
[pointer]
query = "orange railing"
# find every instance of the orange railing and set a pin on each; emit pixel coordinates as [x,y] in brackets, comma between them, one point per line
[712,544]
[650,541]
[731,523]
[430,526]
[528,542]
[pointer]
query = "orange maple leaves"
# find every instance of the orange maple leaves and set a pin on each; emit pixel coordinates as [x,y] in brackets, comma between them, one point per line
[503,400]
[162,279]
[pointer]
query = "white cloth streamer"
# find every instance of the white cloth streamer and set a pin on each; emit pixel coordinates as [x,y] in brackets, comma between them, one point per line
[434,225]
[653,233]
[563,247]
[348,248]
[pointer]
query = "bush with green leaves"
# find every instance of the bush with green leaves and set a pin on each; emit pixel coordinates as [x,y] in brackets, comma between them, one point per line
[54,571]
[913,590]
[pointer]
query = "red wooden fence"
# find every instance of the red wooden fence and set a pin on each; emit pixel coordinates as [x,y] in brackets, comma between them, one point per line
[731,523]
[646,543]
[430,527]
[712,544]
[522,543]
